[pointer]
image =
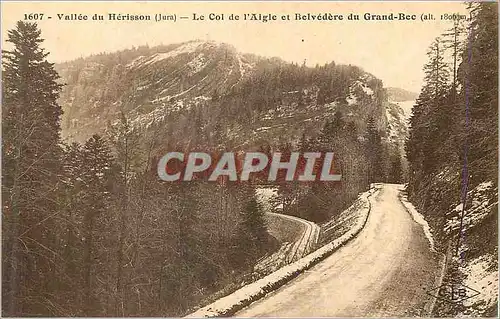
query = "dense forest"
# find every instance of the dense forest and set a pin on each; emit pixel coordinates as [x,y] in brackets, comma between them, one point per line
[453,144]
[90,230]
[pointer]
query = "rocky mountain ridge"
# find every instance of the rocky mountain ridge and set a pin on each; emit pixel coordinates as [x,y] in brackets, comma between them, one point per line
[171,83]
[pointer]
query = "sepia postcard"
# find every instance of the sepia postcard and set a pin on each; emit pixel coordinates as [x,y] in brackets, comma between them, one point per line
[249,159]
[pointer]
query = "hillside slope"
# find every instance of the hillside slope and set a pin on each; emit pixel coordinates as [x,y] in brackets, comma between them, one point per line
[241,96]
[208,96]
[453,158]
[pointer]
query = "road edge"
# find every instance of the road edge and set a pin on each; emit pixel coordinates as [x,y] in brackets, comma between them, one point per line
[243,297]
[443,262]
[439,278]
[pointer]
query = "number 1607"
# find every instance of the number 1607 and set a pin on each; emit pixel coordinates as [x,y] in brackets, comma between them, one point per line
[33,16]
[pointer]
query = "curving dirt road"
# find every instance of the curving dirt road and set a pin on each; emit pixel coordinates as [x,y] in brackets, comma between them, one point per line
[384,272]
[307,240]
[298,241]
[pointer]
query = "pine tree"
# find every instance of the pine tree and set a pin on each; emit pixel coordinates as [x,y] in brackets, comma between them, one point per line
[180,276]
[453,39]
[126,145]
[396,170]
[254,221]
[479,79]
[431,120]
[71,190]
[251,234]
[375,152]
[31,162]
[436,70]
[98,182]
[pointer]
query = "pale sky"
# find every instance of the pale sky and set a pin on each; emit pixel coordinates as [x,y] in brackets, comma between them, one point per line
[393,51]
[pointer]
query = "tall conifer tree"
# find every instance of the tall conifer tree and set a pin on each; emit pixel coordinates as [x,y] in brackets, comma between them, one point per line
[31,162]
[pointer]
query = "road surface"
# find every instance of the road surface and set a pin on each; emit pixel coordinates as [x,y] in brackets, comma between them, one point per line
[301,239]
[309,237]
[384,272]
